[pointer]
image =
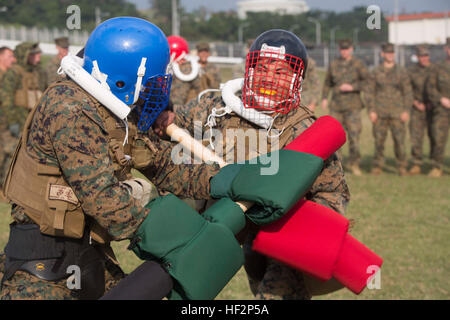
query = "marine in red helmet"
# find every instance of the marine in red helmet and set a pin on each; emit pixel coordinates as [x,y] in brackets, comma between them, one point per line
[185,69]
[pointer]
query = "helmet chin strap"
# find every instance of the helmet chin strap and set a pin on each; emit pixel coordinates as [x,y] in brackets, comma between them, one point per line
[140,75]
[236,105]
[97,74]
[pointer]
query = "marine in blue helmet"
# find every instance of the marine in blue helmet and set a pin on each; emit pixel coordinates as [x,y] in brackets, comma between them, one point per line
[70,183]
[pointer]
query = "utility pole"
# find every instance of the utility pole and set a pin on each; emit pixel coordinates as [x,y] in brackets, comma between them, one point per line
[396,30]
[241,32]
[355,37]
[333,40]
[318,27]
[98,16]
[175,21]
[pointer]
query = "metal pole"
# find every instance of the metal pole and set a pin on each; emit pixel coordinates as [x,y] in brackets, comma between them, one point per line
[98,16]
[396,29]
[326,60]
[446,26]
[318,28]
[333,41]
[355,37]
[175,22]
[241,32]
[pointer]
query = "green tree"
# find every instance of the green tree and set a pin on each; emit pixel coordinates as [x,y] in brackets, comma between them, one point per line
[161,14]
[53,13]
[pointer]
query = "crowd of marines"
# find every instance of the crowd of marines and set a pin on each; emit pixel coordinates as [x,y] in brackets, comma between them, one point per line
[395,97]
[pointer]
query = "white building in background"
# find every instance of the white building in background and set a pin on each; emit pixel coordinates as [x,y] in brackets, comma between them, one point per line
[278,6]
[411,29]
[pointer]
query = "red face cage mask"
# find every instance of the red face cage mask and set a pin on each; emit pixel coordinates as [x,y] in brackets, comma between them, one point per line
[272,80]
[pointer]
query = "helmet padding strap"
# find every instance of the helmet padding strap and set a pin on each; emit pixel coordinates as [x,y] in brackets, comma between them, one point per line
[140,75]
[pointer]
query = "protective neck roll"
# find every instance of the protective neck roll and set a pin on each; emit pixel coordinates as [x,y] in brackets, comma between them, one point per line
[72,66]
[195,68]
[235,104]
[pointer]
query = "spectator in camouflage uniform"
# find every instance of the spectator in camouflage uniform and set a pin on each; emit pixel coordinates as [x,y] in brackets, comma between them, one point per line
[346,78]
[438,91]
[420,111]
[62,46]
[76,148]
[209,74]
[390,98]
[208,78]
[272,279]
[22,86]
[6,61]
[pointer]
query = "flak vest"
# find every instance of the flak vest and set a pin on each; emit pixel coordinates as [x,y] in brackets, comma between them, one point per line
[30,93]
[50,202]
[253,150]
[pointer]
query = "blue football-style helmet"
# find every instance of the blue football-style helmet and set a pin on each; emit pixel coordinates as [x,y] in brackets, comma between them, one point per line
[128,54]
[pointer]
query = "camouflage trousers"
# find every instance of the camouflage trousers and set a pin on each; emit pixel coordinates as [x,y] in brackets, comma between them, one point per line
[351,121]
[440,119]
[280,282]
[24,286]
[419,123]
[398,130]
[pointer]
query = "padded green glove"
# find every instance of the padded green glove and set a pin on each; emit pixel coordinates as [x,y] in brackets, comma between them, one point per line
[273,195]
[201,256]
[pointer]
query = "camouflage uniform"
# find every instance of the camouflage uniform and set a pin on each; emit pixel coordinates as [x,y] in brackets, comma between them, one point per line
[68,132]
[14,115]
[52,68]
[209,77]
[346,106]
[389,94]
[180,91]
[420,120]
[4,133]
[330,188]
[54,64]
[311,85]
[438,86]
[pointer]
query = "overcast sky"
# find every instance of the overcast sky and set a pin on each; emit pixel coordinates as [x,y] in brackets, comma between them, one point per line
[387,6]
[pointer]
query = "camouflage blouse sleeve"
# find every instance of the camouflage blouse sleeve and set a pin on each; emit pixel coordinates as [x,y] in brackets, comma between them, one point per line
[327,84]
[171,173]
[195,113]
[408,96]
[361,80]
[330,188]
[217,79]
[369,92]
[81,148]
[431,86]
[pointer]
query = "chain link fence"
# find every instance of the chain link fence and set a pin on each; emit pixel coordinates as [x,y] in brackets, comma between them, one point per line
[323,55]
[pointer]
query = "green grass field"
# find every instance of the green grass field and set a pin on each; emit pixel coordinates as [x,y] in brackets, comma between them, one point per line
[403,219]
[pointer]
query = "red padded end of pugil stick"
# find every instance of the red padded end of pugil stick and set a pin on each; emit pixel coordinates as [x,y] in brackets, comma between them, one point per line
[308,237]
[323,138]
[356,264]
